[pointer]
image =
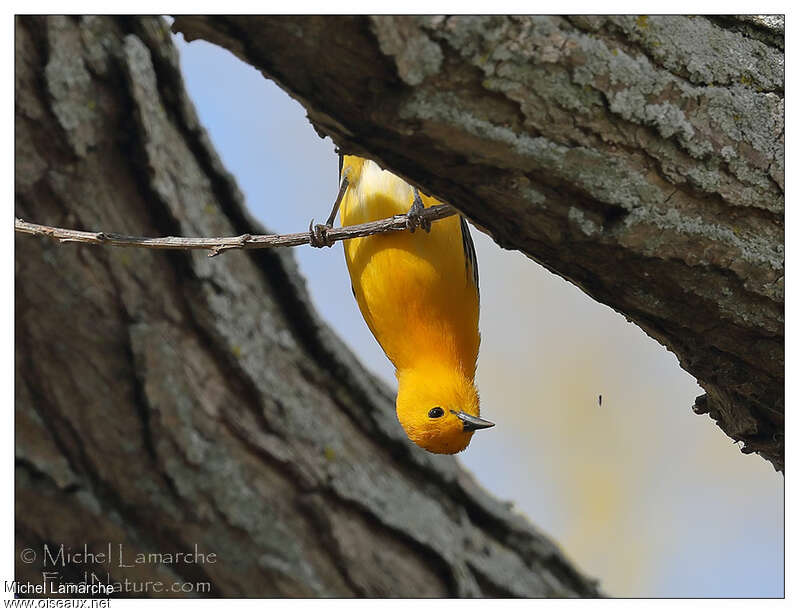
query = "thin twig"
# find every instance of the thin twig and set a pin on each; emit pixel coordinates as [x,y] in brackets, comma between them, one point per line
[216,245]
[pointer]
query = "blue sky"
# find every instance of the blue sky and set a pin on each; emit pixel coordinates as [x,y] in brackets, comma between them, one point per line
[641,493]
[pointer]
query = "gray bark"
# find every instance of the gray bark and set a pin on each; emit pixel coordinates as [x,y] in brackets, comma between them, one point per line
[641,158]
[165,399]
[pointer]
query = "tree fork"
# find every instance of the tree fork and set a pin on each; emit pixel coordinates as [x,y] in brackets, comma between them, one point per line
[166,399]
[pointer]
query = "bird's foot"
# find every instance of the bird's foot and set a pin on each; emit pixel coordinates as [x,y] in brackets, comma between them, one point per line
[414,217]
[318,235]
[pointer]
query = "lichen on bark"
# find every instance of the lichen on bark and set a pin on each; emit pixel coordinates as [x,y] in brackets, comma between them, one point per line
[640,157]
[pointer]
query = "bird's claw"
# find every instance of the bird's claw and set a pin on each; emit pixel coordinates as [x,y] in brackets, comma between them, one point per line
[414,217]
[318,235]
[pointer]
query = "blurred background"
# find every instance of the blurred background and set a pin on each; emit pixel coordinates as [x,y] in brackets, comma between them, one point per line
[641,494]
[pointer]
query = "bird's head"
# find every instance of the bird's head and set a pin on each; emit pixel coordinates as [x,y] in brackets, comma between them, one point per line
[438,408]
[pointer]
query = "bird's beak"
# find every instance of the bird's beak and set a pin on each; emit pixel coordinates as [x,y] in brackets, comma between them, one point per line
[473,423]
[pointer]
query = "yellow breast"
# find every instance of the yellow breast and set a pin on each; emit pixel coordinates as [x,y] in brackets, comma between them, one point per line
[416,291]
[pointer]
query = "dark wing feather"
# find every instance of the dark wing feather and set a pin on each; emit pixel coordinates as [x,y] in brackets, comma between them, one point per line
[469,251]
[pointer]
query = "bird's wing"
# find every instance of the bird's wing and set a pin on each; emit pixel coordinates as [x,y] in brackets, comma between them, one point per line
[469,251]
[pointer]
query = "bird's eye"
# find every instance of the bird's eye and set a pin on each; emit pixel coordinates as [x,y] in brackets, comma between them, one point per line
[436,412]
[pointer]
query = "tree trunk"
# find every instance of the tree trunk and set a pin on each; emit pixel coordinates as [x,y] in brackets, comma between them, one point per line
[640,158]
[167,401]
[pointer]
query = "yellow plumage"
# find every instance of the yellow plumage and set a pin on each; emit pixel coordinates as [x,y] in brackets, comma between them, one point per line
[418,293]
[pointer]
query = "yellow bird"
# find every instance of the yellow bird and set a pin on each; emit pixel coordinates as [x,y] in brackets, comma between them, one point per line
[418,293]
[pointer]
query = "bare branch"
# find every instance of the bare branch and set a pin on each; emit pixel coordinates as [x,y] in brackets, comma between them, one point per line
[217,245]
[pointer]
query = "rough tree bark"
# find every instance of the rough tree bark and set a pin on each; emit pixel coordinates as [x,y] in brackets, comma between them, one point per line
[165,399]
[639,157]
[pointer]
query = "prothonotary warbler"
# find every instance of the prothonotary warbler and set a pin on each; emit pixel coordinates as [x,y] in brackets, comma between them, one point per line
[418,293]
